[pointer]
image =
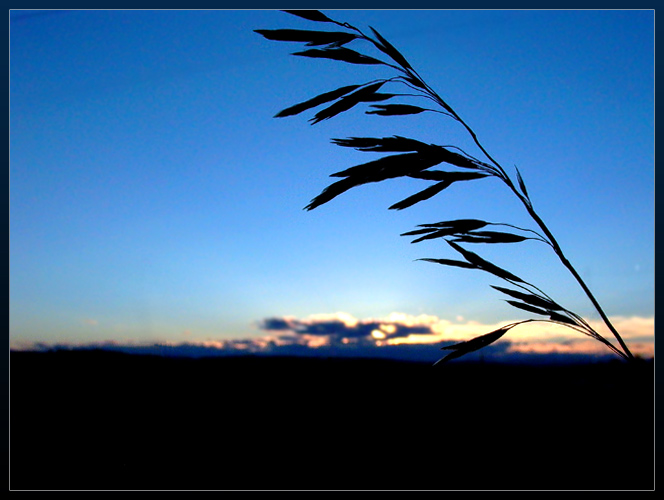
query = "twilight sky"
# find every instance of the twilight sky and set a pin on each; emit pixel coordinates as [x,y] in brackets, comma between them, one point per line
[154,198]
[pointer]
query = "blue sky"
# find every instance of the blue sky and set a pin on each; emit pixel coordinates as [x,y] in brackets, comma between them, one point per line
[154,197]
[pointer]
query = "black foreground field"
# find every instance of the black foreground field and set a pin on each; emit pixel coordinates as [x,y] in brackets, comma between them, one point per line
[107,421]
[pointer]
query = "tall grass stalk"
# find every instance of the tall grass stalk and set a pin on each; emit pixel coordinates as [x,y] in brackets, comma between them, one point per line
[415,159]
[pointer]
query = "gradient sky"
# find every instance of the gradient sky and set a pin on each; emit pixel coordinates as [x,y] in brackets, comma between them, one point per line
[155,198]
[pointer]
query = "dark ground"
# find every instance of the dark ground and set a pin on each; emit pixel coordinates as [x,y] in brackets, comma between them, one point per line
[102,420]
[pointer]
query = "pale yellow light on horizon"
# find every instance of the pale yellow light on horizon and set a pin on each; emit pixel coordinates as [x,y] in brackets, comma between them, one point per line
[378,334]
[536,337]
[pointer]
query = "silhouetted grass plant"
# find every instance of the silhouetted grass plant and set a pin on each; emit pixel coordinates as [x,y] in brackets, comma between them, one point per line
[416,159]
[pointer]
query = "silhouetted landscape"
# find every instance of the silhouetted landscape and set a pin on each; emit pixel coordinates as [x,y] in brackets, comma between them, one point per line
[106,421]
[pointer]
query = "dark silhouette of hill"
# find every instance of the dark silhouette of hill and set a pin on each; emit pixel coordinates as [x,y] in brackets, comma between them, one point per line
[106,420]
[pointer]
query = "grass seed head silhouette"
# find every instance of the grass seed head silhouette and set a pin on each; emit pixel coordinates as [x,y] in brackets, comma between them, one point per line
[416,159]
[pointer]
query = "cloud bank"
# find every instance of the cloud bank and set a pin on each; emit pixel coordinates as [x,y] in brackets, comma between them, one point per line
[343,327]
[398,336]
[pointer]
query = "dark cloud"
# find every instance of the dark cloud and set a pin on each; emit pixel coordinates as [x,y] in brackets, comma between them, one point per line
[276,324]
[405,330]
[344,329]
[332,327]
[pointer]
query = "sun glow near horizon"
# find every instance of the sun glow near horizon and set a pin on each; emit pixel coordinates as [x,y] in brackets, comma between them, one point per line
[400,329]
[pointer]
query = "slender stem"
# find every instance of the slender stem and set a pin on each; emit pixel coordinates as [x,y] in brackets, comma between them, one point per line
[583,285]
[543,227]
[560,254]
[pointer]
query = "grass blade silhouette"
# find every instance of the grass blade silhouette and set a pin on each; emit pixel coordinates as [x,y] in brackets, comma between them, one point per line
[395,109]
[339,54]
[475,344]
[316,101]
[312,38]
[415,162]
